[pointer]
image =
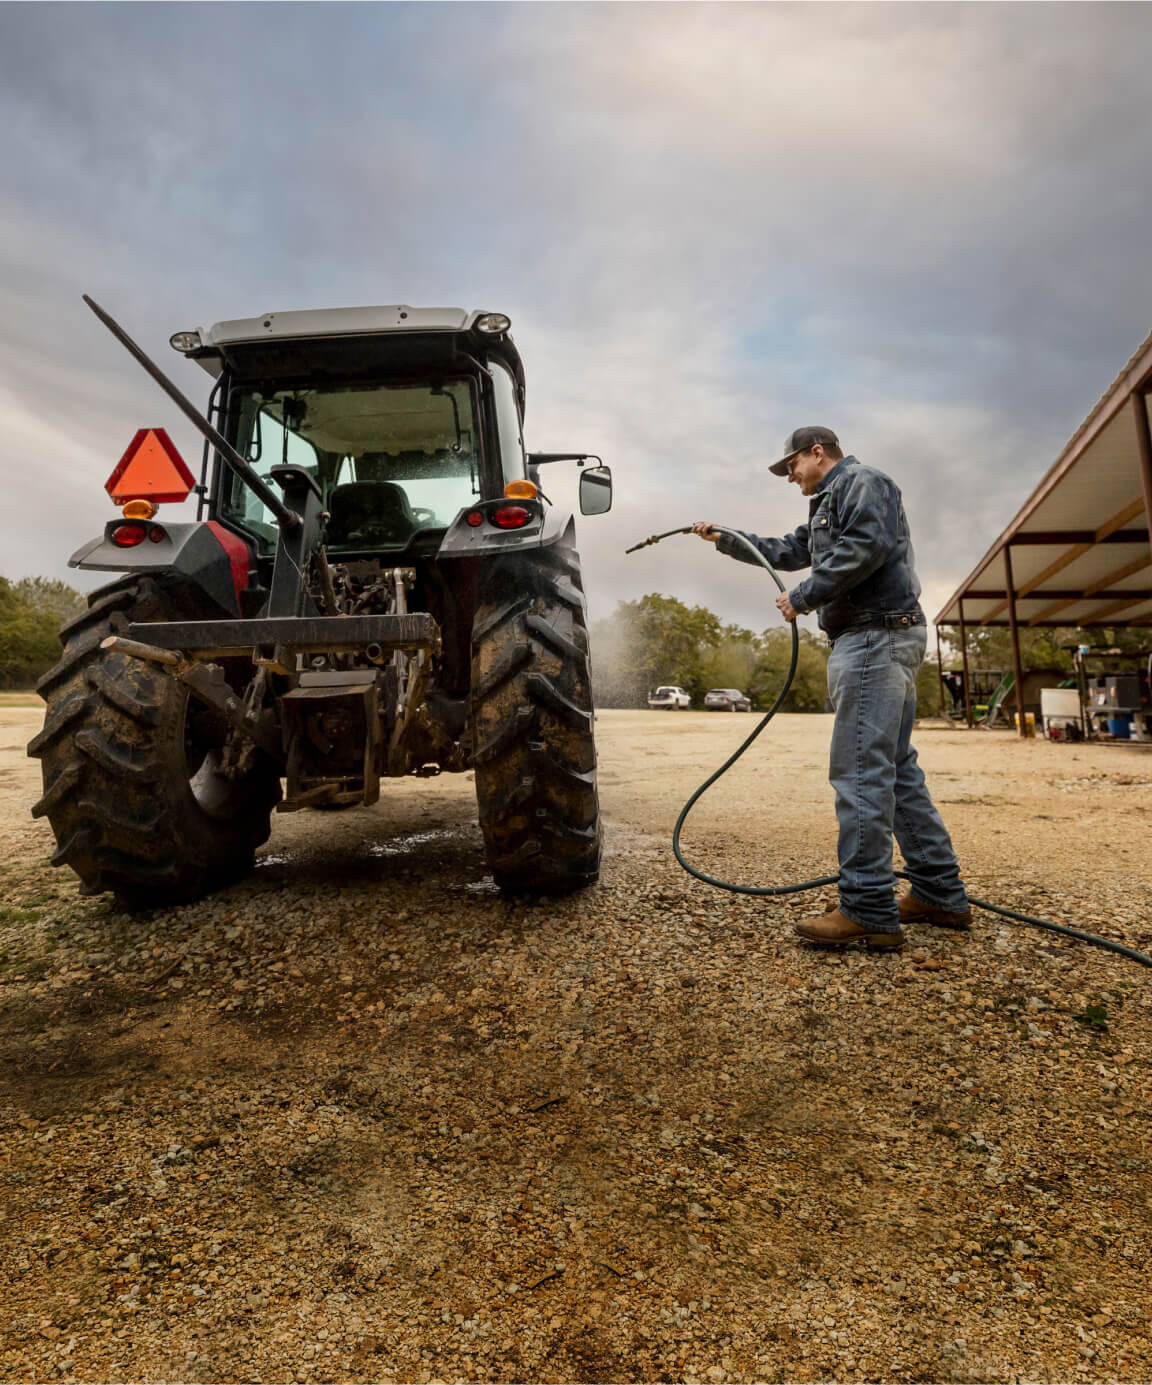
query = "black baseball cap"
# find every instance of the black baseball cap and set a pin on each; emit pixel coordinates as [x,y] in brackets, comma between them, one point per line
[803,440]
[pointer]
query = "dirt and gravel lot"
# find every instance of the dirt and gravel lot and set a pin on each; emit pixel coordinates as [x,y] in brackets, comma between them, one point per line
[359,1118]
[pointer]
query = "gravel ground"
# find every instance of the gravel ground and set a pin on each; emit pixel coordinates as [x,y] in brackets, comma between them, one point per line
[359,1118]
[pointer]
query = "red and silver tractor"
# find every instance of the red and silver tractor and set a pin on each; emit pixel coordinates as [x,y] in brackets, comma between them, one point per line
[376,586]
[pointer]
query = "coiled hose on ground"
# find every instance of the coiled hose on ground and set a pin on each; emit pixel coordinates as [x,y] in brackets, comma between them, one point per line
[758,557]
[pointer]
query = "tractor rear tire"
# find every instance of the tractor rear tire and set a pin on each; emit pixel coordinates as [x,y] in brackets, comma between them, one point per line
[133,787]
[534,749]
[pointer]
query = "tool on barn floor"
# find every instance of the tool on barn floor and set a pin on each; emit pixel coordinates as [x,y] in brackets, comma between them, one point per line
[798,888]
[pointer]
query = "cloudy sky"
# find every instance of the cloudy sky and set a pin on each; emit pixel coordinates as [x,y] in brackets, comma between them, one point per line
[923,225]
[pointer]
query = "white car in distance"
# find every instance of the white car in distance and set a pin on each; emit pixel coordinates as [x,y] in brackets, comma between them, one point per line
[669,698]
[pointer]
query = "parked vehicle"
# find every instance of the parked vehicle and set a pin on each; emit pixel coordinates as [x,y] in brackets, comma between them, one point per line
[672,699]
[726,700]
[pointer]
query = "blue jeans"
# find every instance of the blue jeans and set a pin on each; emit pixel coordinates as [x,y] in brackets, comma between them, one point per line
[879,786]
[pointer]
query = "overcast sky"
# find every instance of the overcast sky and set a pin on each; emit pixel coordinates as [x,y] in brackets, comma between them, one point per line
[926,226]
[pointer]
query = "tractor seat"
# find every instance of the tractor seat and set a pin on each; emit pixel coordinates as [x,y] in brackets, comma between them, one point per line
[367,514]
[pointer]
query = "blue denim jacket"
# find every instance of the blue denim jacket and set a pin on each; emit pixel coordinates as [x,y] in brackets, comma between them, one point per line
[857,544]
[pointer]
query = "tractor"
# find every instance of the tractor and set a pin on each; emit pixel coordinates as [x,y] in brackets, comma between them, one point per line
[375,586]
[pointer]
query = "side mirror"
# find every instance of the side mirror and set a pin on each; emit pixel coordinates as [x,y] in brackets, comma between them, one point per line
[596,490]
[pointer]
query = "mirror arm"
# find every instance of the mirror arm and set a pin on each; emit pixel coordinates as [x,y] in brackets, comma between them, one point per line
[539,458]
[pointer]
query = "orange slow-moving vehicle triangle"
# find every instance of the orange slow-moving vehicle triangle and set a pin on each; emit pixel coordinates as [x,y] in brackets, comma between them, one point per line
[150,469]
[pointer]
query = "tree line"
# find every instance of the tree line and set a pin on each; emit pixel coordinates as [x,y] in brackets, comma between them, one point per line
[658,640]
[31,613]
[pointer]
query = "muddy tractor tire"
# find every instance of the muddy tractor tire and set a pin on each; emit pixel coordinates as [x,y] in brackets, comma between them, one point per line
[534,751]
[134,787]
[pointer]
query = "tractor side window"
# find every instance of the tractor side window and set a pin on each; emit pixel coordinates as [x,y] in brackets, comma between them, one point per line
[507,423]
[264,442]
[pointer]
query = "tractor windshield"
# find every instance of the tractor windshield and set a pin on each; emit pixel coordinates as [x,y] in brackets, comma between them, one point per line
[390,460]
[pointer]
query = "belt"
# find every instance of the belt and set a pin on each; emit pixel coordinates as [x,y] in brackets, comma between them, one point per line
[882,620]
[898,620]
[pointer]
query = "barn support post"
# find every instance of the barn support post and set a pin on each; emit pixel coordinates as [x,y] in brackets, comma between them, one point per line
[1014,629]
[940,675]
[964,666]
[1144,448]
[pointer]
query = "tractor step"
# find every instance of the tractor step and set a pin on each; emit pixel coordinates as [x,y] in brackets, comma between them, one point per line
[220,639]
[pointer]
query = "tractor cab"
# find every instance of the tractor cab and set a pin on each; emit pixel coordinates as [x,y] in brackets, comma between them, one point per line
[402,417]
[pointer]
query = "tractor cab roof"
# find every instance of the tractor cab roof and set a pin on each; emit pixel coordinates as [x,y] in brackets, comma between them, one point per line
[350,342]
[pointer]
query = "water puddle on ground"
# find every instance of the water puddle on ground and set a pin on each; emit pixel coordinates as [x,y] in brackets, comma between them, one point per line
[405,846]
[483,889]
[445,843]
[273,858]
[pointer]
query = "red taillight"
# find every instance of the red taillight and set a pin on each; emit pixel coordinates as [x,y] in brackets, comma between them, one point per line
[157,534]
[474,518]
[511,516]
[128,535]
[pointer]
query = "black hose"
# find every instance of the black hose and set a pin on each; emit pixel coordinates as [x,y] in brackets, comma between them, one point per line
[758,557]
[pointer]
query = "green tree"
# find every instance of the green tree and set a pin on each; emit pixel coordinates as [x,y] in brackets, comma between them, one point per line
[50,596]
[28,642]
[653,640]
[732,662]
[809,690]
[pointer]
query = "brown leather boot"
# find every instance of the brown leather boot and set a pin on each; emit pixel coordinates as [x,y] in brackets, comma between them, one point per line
[913,910]
[834,930]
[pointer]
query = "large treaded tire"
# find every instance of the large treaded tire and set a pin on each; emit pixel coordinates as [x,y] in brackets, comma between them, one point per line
[136,805]
[534,749]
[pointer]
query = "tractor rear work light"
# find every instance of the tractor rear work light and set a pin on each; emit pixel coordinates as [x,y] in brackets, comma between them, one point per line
[139,509]
[511,516]
[520,490]
[128,535]
[474,518]
[493,323]
[185,341]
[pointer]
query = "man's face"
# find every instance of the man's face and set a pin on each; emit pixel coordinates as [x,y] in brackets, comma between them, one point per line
[806,469]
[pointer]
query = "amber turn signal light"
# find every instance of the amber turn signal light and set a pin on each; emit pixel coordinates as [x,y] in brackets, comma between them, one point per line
[520,490]
[139,509]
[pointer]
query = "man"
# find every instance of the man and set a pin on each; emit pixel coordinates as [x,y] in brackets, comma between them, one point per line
[865,592]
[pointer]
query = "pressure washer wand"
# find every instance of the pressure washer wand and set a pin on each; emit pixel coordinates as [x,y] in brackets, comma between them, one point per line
[636,547]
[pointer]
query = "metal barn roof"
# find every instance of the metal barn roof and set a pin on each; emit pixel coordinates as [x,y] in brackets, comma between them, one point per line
[1077,552]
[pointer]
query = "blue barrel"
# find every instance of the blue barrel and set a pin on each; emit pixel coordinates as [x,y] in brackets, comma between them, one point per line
[1121,727]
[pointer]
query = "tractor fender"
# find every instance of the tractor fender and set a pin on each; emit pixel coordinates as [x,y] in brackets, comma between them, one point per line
[549,525]
[212,558]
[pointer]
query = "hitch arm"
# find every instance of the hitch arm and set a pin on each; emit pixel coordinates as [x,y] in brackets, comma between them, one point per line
[206,682]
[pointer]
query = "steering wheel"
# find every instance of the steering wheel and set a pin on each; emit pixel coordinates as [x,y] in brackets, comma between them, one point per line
[423,516]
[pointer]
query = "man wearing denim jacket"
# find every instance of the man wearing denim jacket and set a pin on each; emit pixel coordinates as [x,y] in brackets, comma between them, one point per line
[865,593]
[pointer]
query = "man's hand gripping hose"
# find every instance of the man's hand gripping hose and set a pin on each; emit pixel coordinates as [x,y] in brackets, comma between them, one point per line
[824,880]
